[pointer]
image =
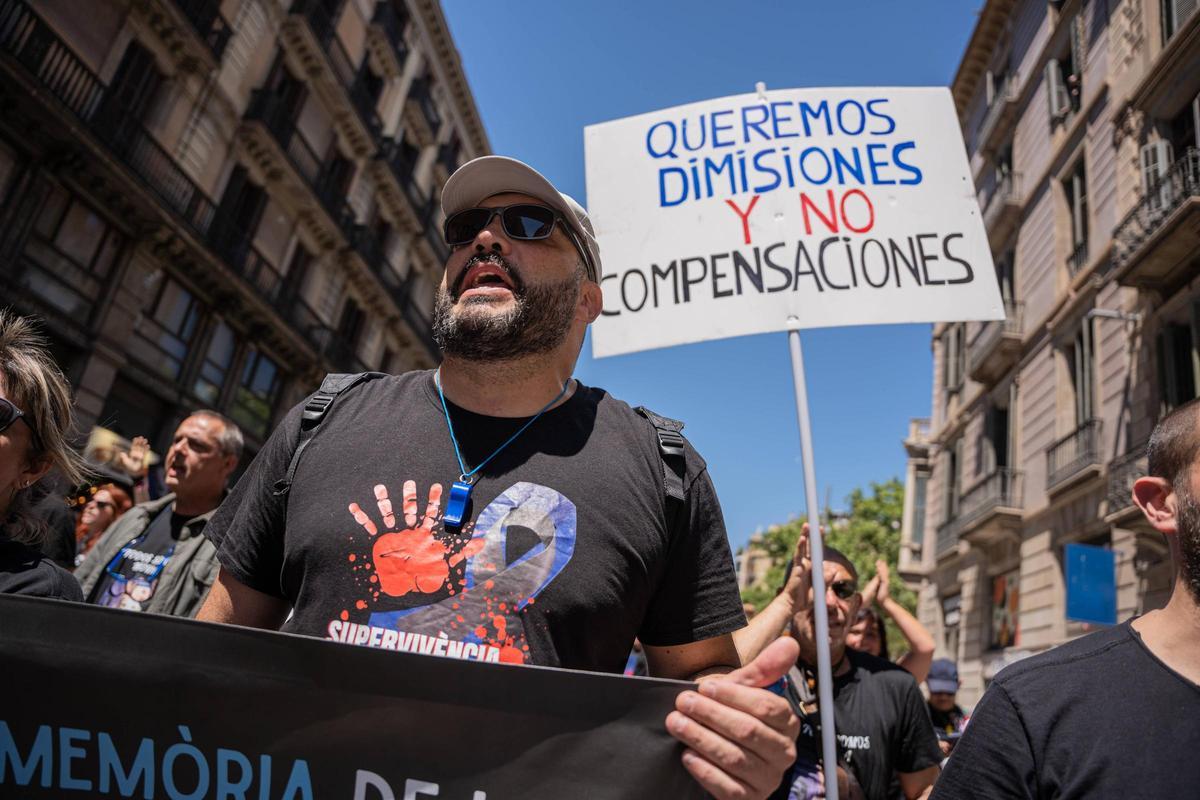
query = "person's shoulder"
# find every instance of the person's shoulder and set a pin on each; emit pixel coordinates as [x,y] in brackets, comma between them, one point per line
[622,412]
[879,670]
[25,571]
[1084,659]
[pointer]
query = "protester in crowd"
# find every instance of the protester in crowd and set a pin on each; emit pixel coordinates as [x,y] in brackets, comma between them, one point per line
[35,418]
[105,505]
[135,462]
[1113,713]
[948,719]
[156,557]
[337,538]
[883,729]
[869,633]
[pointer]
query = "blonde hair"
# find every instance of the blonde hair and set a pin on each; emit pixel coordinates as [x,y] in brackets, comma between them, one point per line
[33,382]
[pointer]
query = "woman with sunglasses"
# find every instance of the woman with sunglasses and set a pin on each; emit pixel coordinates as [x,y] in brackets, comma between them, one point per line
[35,416]
[868,634]
[107,503]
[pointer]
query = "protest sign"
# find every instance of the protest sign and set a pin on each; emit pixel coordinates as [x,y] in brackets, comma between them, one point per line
[829,206]
[101,703]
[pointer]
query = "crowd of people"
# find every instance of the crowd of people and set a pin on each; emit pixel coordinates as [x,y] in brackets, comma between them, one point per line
[578,526]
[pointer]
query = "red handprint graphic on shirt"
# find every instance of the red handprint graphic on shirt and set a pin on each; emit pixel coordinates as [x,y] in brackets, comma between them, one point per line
[412,559]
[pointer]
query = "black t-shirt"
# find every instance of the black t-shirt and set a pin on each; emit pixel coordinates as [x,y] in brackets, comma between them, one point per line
[131,577]
[23,570]
[882,729]
[562,559]
[1097,717]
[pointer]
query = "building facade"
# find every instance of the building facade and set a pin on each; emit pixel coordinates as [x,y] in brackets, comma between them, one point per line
[1081,124]
[212,203]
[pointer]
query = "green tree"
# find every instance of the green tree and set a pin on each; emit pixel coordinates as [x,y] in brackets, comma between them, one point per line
[869,530]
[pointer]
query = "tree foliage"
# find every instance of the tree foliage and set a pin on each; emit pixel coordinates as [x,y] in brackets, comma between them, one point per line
[870,530]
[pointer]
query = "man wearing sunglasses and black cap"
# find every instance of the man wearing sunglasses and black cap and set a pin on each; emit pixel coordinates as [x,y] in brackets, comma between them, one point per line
[885,740]
[496,509]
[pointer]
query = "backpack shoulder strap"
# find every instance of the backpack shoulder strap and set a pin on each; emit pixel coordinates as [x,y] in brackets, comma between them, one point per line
[670,448]
[315,411]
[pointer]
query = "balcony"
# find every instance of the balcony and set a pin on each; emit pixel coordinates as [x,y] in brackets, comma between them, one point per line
[212,28]
[1001,116]
[1003,209]
[991,509]
[60,74]
[283,146]
[309,33]
[447,160]
[385,37]
[997,345]
[1158,240]
[394,171]
[420,114]
[1173,78]
[1075,457]
[1122,472]
[1078,258]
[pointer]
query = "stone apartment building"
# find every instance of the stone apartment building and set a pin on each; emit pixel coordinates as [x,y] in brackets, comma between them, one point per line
[212,203]
[1081,124]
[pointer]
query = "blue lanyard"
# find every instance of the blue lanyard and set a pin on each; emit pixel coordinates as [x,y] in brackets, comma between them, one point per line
[460,492]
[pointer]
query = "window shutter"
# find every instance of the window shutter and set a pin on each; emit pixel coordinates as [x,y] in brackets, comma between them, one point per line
[991,88]
[1156,160]
[1056,91]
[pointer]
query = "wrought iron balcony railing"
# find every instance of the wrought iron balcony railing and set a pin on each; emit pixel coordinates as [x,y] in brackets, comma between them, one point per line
[1181,182]
[211,27]
[1001,489]
[1007,192]
[1005,95]
[1075,452]
[403,166]
[1078,258]
[421,93]
[319,19]
[990,333]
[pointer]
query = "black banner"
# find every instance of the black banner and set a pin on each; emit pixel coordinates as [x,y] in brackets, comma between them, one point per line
[103,703]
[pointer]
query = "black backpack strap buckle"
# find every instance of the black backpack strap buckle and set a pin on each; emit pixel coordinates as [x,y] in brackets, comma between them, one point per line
[671,449]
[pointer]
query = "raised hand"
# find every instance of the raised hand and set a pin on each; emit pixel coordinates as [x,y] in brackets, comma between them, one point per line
[881,572]
[135,463]
[799,582]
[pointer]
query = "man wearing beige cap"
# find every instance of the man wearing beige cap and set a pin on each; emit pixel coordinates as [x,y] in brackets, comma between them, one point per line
[496,509]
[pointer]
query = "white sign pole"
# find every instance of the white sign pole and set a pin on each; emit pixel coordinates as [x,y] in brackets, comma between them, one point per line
[820,607]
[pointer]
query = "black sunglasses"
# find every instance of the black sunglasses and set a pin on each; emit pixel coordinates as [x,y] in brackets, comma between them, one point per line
[844,589]
[9,414]
[524,221]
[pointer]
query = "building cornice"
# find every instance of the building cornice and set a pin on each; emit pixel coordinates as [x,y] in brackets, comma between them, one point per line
[449,65]
[993,21]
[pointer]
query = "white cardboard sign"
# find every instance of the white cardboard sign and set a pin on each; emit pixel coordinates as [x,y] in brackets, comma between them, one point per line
[829,206]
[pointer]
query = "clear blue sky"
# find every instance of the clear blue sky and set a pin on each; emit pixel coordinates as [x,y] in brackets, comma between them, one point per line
[543,70]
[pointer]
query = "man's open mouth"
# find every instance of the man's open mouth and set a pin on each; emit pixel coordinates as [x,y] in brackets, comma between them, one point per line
[484,276]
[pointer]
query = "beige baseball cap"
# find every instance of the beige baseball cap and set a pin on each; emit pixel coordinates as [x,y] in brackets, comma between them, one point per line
[480,178]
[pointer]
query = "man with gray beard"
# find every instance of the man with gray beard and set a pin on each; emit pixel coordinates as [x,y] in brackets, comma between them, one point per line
[496,509]
[1116,713]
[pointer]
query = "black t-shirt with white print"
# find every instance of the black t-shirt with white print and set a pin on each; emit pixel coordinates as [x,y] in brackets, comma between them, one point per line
[563,557]
[882,729]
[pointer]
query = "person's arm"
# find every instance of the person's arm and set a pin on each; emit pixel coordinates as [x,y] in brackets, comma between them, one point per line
[233,602]
[920,643]
[993,759]
[770,623]
[918,785]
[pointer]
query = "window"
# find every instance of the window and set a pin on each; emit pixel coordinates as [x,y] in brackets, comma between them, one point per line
[954,357]
[70,255]
[1064,77]
[164,335]
[1081,359]
[953,484]
[951,623]
[1005,624]
[1075,189]
[350,325]
[388,363]
[257,390]
[1007,278]
[920,486]
[217,360]
[134,87]
[238,215]
[1175,13]
[1179,361]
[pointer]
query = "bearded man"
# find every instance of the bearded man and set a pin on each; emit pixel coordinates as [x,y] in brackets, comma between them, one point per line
[1115,713]
[503,511]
